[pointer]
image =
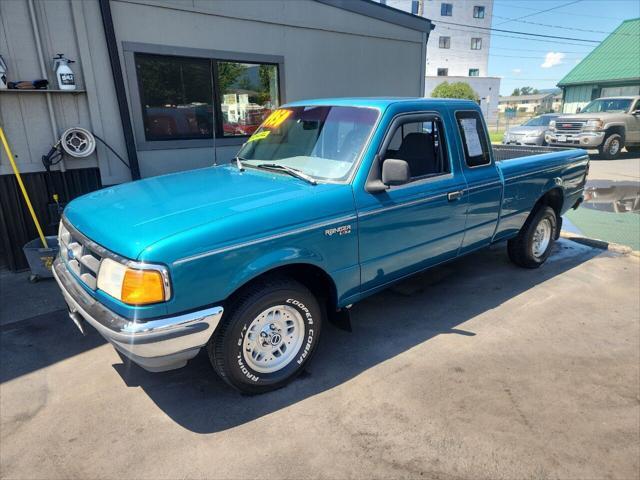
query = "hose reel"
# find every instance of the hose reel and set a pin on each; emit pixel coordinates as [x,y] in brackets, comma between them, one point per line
[78,142]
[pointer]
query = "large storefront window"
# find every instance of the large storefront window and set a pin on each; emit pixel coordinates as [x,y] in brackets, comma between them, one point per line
[248,94]
[177,96]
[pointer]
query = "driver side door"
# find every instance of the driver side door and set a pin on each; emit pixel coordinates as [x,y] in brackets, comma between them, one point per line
[409,227]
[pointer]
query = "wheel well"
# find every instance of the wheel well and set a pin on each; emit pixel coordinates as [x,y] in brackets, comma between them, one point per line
[554,198]
[615,129]
[314,278]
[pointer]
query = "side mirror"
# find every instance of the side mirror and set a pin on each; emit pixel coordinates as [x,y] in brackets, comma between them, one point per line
[395,172]
[578,110]
[635,112]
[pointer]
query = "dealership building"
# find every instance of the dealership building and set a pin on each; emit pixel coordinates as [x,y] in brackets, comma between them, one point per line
[169,85]
[612,69]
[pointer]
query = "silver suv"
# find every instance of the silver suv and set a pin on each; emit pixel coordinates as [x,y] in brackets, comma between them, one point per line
[608,124]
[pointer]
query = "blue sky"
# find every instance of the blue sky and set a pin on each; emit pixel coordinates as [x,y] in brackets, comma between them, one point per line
[541,64]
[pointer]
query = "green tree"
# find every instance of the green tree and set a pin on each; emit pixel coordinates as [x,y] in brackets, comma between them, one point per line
[524,91]
[454,90]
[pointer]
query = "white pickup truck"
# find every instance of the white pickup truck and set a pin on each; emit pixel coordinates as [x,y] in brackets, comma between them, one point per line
[608,124]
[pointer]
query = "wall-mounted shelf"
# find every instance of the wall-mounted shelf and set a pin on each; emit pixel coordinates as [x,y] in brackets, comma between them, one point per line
[15,90]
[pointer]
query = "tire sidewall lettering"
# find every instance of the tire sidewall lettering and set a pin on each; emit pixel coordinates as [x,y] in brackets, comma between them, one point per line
[305,349]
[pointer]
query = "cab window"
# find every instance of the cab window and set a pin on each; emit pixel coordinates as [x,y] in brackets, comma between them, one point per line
[474,138]
[421,144]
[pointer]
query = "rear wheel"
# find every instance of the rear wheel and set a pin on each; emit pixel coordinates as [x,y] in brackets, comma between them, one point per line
[267,335]
[611,146]
[532,246]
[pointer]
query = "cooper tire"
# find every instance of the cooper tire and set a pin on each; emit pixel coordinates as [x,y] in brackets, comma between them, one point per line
[532,246]
[611,147]
[253,334]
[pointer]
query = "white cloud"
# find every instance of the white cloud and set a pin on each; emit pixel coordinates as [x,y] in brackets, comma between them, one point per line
[552,58]
[516,71]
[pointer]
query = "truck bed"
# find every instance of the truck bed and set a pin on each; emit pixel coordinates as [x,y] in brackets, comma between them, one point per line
[510,152]
[530,171]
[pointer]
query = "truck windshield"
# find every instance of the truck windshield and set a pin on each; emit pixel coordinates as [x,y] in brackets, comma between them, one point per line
[608,105]
[323,142]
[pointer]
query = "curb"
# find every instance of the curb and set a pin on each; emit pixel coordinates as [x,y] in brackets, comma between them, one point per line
[601,244]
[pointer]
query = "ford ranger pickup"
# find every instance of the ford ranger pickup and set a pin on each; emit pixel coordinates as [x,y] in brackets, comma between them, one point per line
[608,124]
[328,202]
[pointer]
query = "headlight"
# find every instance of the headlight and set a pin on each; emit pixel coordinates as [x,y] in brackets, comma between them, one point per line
[552,125]
[593,125]
[135,286]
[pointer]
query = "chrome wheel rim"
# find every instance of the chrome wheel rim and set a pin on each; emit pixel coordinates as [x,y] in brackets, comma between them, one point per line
[541,237]
[273,338]
[615,147]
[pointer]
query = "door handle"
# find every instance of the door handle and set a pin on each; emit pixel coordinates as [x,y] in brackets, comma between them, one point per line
[453,196]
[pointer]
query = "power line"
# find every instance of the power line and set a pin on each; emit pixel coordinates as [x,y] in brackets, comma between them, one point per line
[573,14]
[536,50]
[521,33]
[519,38]
[541,11]
[568,28]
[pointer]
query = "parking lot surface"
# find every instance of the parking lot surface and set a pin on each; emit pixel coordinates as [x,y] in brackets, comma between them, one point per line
[477,369]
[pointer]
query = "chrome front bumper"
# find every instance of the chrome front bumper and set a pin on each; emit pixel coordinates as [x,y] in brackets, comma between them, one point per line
[582,139]
[156,345]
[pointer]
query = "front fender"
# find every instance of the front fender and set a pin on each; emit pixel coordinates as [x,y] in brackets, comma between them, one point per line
[276,259]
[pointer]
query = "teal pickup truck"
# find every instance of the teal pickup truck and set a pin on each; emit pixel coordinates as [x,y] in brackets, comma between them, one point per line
[328,202]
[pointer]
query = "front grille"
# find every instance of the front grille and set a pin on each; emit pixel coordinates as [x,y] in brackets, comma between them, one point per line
[569,127]
[79,257]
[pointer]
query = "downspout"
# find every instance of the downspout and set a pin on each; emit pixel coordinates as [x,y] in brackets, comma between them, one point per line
[43,73]
[118,82]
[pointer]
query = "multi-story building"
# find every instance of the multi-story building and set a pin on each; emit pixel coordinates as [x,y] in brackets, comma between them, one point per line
[458,47]
[535,103]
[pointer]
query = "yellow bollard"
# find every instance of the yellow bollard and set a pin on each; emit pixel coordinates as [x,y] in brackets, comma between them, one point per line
[24,190]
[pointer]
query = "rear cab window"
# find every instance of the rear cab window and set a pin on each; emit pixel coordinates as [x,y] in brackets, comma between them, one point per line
[474,138]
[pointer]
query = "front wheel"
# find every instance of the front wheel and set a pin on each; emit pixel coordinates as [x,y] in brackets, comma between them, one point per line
[532,246]
[267,335]
[611,147]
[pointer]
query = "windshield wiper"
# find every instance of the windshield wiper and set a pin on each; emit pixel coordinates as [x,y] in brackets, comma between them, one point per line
[294,172]
[239,160]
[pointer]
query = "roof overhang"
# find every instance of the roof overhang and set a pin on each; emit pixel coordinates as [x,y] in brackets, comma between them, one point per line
[615,81]
[384,13]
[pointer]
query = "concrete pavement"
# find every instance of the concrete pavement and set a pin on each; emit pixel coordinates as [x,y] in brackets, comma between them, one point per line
[477,369]
[626,168]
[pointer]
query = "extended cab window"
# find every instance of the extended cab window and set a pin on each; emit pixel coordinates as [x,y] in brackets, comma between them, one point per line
[474,138]
[421,145]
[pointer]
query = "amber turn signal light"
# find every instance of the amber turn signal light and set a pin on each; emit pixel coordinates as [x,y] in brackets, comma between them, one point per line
[141,287]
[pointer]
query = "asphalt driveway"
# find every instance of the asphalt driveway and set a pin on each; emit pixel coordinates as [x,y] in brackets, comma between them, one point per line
[477,369]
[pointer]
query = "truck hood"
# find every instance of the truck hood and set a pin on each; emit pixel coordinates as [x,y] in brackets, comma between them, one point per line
[130,217]
[588,116]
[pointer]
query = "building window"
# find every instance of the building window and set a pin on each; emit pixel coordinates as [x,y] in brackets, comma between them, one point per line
[248,94]
[478,12]
[444,42]
[177,96]
[474,72]
[415,6]
[446,9]
[476,43]
[443,72]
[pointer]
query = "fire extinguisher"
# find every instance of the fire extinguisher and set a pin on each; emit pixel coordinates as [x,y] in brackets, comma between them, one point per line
[64,75]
